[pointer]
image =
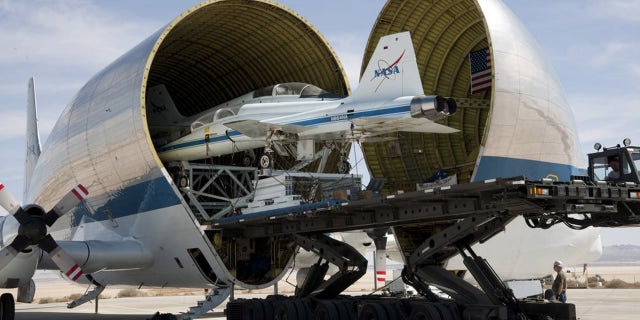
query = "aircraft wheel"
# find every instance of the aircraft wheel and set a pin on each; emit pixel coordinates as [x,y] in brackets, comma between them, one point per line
[344,167]
[247,161]
[265,161]
[183,181]
[8,306]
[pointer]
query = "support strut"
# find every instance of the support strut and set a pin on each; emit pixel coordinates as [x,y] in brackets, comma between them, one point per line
[426,267]
[351,266]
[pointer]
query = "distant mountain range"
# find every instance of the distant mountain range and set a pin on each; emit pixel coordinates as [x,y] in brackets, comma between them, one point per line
[620,253]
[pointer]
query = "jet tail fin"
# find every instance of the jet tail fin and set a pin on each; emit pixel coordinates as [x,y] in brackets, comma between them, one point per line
[33,137]
[392,70]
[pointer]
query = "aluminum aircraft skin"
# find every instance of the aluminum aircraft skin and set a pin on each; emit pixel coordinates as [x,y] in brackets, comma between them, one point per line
[113,210]
[389,93]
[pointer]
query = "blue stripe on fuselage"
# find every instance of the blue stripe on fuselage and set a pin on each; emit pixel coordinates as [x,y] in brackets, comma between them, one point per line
[142,197]
[308,122]
[502,167]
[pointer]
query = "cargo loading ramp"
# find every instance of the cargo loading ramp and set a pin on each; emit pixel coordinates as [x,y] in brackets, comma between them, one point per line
[462,215]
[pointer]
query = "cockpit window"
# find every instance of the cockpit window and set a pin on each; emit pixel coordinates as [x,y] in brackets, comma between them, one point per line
[206,119]
[289,89]
[635,157]
[263,92]
[600,167]
[302,90]
[605,169]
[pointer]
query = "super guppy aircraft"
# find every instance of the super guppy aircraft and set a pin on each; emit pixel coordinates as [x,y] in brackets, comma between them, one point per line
[134,226]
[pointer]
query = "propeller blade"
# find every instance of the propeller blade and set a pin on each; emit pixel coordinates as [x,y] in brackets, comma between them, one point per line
[62,259]
[11,251]
[68,202]
[7,201]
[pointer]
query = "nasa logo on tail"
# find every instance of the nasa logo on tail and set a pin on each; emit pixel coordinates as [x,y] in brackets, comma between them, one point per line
[386,72]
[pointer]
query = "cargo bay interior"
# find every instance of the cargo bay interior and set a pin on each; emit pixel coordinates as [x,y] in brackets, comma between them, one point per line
[221,50]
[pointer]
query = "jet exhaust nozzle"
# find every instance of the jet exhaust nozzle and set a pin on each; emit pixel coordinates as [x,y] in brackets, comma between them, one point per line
[433,107]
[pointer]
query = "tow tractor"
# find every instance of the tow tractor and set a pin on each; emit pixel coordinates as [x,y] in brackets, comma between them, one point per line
[628,158]
[431,226]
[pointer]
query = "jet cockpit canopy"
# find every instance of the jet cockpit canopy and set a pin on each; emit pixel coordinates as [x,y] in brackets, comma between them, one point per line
[298,89]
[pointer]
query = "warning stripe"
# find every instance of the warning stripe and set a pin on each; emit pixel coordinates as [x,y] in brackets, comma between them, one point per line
[382,279]
[80,192]
[74,273]
[381,272]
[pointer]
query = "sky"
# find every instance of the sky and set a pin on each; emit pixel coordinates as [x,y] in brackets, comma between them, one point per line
[594,46]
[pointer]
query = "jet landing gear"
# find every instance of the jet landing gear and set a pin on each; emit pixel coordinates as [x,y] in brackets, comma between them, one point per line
[343,164]
[266,160]
[344,167]
[7,307]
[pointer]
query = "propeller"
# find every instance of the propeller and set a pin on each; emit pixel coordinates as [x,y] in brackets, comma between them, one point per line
[33,222]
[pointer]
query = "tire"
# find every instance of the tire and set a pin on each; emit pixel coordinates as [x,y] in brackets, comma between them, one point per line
[303,310]
[253,310]
[393,311]
[453,310]
[344,167]
[285,310]
[8,306]
[247,161]
[423,311]
[373,311]
[326,310]
[265,161]
[267,306]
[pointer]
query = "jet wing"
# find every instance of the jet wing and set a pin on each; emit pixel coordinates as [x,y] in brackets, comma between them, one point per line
[256,128]
[362,128]
[380,125]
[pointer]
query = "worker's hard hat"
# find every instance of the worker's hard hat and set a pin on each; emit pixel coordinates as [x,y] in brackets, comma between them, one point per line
[557,263]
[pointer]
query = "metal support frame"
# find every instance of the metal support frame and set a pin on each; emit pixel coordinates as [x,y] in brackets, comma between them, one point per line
[88,296]
[351,266]
[379,237]
[425,264]
[215,191]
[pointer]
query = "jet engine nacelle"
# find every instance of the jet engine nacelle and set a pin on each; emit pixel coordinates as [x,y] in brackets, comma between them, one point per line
[433,108]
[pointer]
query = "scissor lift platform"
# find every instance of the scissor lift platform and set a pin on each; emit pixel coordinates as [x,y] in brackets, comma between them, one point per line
[432,226]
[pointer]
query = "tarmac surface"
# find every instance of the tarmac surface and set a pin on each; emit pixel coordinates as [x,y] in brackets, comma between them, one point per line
[591,304]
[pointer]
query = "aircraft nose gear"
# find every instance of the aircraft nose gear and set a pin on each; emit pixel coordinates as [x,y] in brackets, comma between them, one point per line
[344,167]
[343,164]
[33,231]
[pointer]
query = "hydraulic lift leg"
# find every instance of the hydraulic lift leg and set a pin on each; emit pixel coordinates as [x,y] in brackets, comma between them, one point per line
[351,266]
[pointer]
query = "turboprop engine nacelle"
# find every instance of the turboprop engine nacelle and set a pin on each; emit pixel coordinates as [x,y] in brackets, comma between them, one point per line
[433,108]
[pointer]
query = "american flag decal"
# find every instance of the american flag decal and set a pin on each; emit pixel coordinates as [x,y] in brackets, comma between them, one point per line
[480,70]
